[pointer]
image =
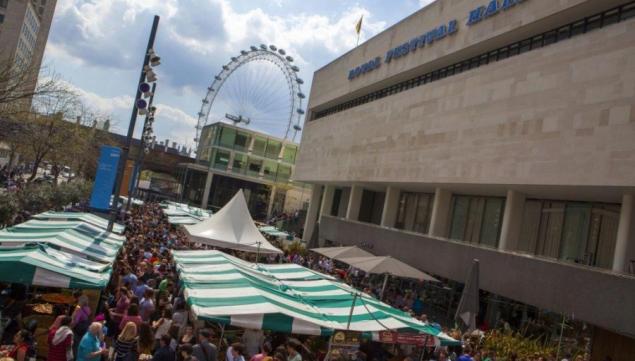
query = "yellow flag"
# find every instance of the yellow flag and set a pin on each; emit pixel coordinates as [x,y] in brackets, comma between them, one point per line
[358,26]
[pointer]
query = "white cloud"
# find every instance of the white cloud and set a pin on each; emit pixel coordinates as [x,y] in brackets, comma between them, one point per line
[195,38]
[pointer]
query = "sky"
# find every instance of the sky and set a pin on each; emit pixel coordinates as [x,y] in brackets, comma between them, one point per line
[97,48]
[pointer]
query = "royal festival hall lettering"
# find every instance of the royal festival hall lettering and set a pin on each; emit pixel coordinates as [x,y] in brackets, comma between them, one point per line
[492,8]
[475,16]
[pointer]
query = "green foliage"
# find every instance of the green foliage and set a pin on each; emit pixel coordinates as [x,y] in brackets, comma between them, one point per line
[8,208]
[504,343]
[37,198]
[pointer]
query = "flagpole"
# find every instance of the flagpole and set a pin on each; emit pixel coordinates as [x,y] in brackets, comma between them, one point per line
[357,44]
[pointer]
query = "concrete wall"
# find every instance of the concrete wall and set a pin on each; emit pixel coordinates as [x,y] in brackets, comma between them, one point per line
[331,82]
[599,297]
[562,114]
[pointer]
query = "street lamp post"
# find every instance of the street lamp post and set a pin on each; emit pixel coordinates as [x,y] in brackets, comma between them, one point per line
[131,126]
[143,145]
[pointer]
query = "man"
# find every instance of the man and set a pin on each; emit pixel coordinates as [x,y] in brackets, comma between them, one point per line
[90,346]
[467,354]
[146,306]
[164,352]
[205,350]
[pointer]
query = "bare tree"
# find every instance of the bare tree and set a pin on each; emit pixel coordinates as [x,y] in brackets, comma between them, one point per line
[19,85]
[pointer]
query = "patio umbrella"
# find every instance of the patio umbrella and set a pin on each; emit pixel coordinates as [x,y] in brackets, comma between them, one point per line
[387,265]
[468,306]
[342,252]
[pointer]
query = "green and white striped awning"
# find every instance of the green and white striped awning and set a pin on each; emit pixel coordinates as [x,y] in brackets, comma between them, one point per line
[79,216]
[273,231]
[181,214]
[43,266]
[77,238]
[286,298]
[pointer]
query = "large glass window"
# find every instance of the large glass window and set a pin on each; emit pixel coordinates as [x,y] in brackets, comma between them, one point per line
[289,152]
[260,144]
[414,211]
[227,137]
[270,169]
[240,163]
[371,206]
[476,219]
[284,173]
[254,166]
[273,149]
[221,160]
[571,231]
[242,141]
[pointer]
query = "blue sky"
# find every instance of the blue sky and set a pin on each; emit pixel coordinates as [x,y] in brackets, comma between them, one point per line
[97,46]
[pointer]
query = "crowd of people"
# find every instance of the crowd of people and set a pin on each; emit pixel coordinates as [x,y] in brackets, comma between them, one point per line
[143,314]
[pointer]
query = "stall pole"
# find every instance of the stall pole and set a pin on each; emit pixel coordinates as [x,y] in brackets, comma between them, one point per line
[560,338]
[222,333]
[383,287]
[350,314]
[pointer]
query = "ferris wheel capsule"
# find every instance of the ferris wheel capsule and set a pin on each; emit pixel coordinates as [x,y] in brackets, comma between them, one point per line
[281,51]
[297,127]
[234,59]
[289,58]
[299,81]
[263,46]
[225,67]
[300,111]
[273,47]
[301,95]
[244,52]
[295,68]
[253,48]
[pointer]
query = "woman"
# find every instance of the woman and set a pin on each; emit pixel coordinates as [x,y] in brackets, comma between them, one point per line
[179,317]
[132,316]
[186,352]
[188,336]
[126,343]
[174,337]
[60,340]
[21,340]
[89,348]
[81,317]
[264,354]
[237,352]
[294,348]
[162,325]
[123,303]
[146,339]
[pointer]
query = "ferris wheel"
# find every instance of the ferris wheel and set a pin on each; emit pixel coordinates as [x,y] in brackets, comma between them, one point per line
[259,88]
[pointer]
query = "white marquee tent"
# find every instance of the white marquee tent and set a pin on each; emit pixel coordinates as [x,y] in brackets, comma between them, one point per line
[231,227]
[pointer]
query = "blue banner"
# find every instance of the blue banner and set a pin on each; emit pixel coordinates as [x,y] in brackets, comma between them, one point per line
[105,177]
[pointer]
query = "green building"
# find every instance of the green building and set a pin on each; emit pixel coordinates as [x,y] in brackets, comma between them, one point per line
[230,158]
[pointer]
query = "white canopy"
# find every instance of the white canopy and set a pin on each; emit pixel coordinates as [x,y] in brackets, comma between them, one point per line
[342,252]
[231,227]
[387,265]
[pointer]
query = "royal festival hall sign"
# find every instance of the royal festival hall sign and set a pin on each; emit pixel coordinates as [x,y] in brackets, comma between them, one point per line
[440,32]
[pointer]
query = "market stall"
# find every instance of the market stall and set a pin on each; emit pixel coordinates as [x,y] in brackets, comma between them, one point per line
[79,216]
[182,214]
[100,248]
[284,298]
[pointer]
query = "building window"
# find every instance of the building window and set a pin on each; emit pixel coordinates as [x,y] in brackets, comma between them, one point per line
[576,232]
[1,18]
[242,141]
[227,137]
[273,149]
[221,160]
[476,220]
[4,4]
[289,152]
[284,173]
[270,169]
[254,166]
[371,206]
[414,212]
[260,144]
[239,165]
